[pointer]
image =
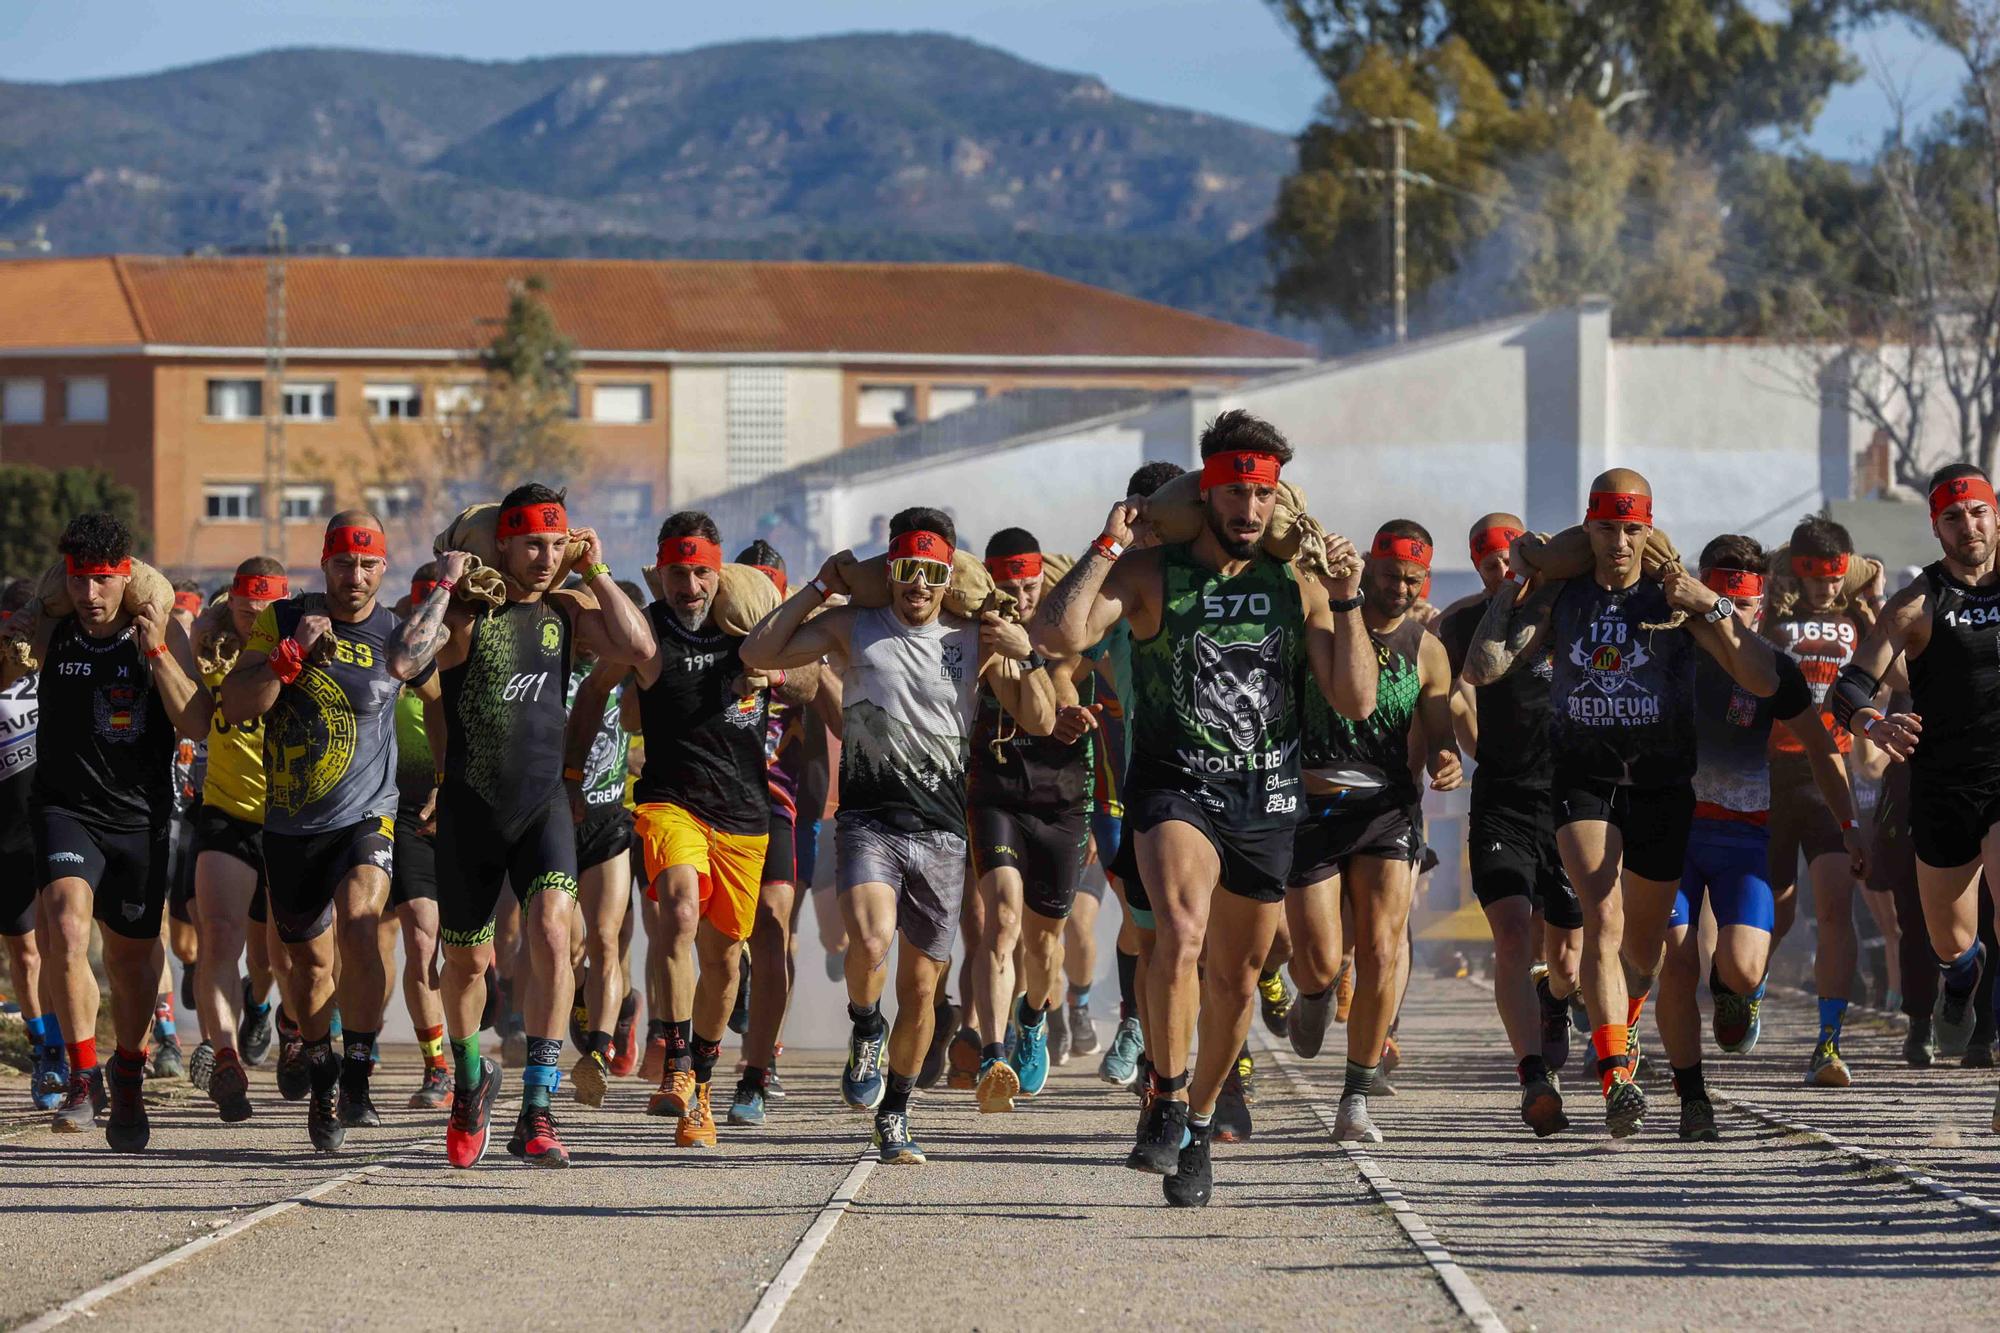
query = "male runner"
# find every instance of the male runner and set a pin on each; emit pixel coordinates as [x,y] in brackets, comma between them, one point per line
[1028,807]
[1729,849]
[114,687]
[1622,741]
[1221,636]
[1944,627]
[1517,872]
[1362,828]
[503,815]
[413,894]
[49,1073]
[908,674]
[1821,640]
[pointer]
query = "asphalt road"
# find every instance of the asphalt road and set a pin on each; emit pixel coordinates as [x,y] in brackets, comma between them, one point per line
[1030,1220]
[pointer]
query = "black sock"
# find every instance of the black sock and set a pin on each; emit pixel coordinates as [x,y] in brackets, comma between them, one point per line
[357,1062]
[600,1044]
[1027,1017]
[1689,1084]
[867,1022]
[704,1053]
[679,1034]
[1533,1069]
[753,1076]
[1128,974]
[992,1050]
[656,1029]
[896,1100]
[1360,1079]
[322,1066]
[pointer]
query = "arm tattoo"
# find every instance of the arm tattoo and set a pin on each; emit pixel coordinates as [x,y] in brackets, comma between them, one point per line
[1058,603]
[418,639]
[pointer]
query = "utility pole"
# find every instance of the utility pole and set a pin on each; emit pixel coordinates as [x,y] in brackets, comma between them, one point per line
[274,388]
[1400,178]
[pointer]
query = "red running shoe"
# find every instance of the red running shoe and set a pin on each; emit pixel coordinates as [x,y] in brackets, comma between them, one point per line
[624,1046]
[535,1138]
[472,1116]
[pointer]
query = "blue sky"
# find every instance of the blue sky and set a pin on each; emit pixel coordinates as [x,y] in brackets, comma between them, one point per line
[1224,56]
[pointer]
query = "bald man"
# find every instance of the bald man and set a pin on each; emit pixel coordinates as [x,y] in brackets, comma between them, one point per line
[1622,747]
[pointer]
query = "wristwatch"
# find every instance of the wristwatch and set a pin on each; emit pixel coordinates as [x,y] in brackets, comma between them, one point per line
[1342,605]
[1721,611]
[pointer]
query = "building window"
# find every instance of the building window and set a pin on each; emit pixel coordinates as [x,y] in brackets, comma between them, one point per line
[625,504]
[86,398]
[885,405]
[396,501]
[309,402]
[231,502]
[393,402]
[949,398]
[305,503]
[21,403]
[235,400]
[457,399]
[621,404]
[755,398]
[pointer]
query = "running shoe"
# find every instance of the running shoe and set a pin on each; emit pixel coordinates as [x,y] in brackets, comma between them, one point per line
[253,1030]
[167,1060]
[1231,1123]
[1343,992]
[774,1087]
[893,1144]
[624,1047]
[1827,1069]
[1120,1065]
[201,1064]
[861,1083]
[1738,1021]
[1306,1024]
[697,1128]
[579,1014]
[739,1016]
[1542,1107]
[836,966]
[1163,1132]
[674,1094]
[466,1133]
[1246,1074]
[514,1044]
[1031,1058]
[1082,1031]
[654,1067]
[999,1084]
[1392,1056]
[1955,1019]
[588,1078]
[535,1140]
[324,1125]
[1193,1181]
[1979,1055]
[126,1129]
[229,1089]
[747,1106]
[434,1091]
[83,1101]
[357,1109]
[962,1060]
[1056,1025]
[1555,1020]
[1351,1122]
[51,1077]
[1698,1121]
[294,1079]
[1919,1050]
[1274,998]
[187,987]
[1624,1108]
[944,1022]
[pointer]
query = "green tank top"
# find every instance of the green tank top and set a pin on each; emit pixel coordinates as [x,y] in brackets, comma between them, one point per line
[1212,692]
[415,770]
[604,768]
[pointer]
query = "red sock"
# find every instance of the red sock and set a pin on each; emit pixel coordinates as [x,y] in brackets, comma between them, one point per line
[1609,1042]
[83,1055]
[432,1042]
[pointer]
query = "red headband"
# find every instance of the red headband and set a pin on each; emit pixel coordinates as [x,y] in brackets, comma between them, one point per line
[1618,507]
[86,568]
[1390,547]
[1488,540]
[1025,566]
[920,545]
[1958,491]
[773,573]
[421,590]
[261,587]
[354,541]
[189,602]
[697,551]
[1239,466]
[532,519]
[1734,582]
[1819,567]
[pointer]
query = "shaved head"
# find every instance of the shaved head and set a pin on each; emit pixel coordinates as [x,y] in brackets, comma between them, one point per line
[1497,520]
[1622,481]
[354,518]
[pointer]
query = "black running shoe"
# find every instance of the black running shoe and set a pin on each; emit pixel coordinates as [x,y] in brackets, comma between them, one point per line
[187,987]
[1162,1135]
[535,1139]
[166,1061]
[82,1102]
[579,1015]
[1698,1121]
[323,1122]
[1555,1023]
[201,1064]
[1193,1180]
[1979,1055]
[1232,1116]
[434,1091]
[1919,1051]
[1624,1108]
[253,1031]
[127,1130]
[356,1109]
[294,1079]
[229,1089]
[1306,1020]
[944,1023]
[1542,1107]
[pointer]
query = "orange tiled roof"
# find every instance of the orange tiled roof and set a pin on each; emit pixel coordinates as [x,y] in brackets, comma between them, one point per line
[693,306]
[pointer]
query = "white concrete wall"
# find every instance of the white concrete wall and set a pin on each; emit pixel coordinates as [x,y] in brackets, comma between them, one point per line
[813,406]
[698,434]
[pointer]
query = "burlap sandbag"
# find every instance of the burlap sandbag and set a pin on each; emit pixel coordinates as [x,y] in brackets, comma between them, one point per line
[1781,586]
[1055,568]
[1175,511]
[473,532]
[1567,555]
[971,592]
[147,587]
[744,595]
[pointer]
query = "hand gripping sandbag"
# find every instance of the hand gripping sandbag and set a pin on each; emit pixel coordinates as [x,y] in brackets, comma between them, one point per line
[1781,586]
[744,595]
[971,592]
[473,532]
[1175,511]
[146,587]
[1567,555]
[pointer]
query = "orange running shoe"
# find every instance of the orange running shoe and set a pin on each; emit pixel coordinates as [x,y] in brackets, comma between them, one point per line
[1343,992]
[625,1037]
[675,1094]
[1392,1054]
[962,1060]
[697,1127]
[654,1067]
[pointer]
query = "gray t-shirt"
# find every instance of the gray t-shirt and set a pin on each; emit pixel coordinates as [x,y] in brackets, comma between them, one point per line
[908,704]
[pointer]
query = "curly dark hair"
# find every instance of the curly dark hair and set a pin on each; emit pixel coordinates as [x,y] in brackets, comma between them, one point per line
[1238,430]
[534,493]
[690,523]
[96,536]
[1732,550]
[761,552]
[921,519]
[1151,476]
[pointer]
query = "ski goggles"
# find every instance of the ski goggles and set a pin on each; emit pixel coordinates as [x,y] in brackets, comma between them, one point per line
[916,569]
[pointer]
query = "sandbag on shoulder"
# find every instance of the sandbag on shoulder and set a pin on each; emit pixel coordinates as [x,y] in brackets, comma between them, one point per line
[474,532]
[971,593]
[147,587]
[1175,511]
[1781,589]
[744,595]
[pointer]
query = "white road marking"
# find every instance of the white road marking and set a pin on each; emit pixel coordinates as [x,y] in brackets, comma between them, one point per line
[1465,1293]
[779,1293]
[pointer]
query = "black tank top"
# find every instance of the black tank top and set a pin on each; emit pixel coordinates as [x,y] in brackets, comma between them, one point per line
[1623,697]
[1378,746]
[506,704]
[1027,772]
[106,748]
[704,743]
[1513,712]
[1954,682]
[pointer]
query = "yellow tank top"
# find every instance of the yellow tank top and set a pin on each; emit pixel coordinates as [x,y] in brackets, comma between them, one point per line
[235,782]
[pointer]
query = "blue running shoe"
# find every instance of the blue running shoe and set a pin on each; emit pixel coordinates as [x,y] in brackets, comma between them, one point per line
[1120,1065]
[893,1144]
[747,1107]
[1031,1056]
[51,1077]
[861,1083]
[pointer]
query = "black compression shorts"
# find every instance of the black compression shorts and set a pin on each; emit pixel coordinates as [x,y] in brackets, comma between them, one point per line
[415,877]
[305,871]
[20,873]
[475,857]
[781,852]
[604,835]
[126,869]
[1800,821]
[1334,832]
[1511,843]
[180,868]
[238,839]
[1949,819]
[1255,863]
[1653,821]
[1046,846]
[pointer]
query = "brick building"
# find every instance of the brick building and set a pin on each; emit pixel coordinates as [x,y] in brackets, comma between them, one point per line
[693,376]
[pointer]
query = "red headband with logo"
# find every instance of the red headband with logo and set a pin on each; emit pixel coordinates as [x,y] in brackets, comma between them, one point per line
[1734,582]
[261,587]
[1390,547]
[697,551]
[1488,540]
[354,541]
[530,520]
[189,602]
[1027,565]
[1959,490]
[1820,566]
[921,545]
[83,567]
[1618,507]
[1239,467]
[773,573]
